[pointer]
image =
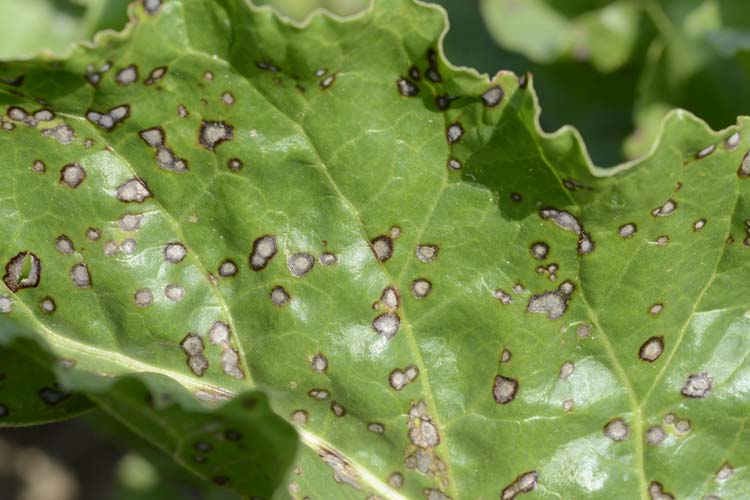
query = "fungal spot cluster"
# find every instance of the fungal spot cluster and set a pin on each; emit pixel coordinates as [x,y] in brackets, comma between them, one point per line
[128,223]
[617,430]
[569,222]
[79,275]
[264,249]
[343,472]
[697,385]
[319,363]
[219,335]
[20,115]
[503,296]
[550,270]
[299,264]
[427,253]
[127,75]
[151,6]
[432,72]
[133,191]
[656,491]
[93,75]
[406,87]
[155,75]
[627,230]
[24,270]
[64,245]
[143,298]
[705,152]
[387,323]
[424,437]
[539,250]
[213,133]
[651,349]
[192,344]
[666,209]
[279,296]
[174,252]
[454,133]
[174,292]
[398,379]
[493,96]
[165,157]
[109,120]
[382,246]
[552,303]
[421,288]
[504,389]
[743,171]
[228,268]
[524,483]
[63,133]
[72,175]
[6,304]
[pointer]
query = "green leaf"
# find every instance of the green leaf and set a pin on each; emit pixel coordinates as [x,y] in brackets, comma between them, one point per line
[689,54]
[603,32]
[29,390]
[32,26]
[445,301]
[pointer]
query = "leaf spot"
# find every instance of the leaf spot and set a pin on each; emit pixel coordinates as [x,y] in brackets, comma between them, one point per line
[617,430]
[398,379]
[174,292]
[134,190]
[47,305]
[666,209]
[72,175]
[387,324]
[539,250]
[64,245]
[127,75]
[21,272]
[279,296]
[627,230]
[264,249]
[454,132]
[493,96]
[143,298]
[406,87]
[524,483]
[697,385]
[192,344]
[227,268]
[421,288]
[80,276]
[174,252]
[652,349]
[299,264]
[504,389]
[427,253]
[655,435]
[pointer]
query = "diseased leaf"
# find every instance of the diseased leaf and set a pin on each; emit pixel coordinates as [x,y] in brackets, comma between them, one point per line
[445,301]
[29,390]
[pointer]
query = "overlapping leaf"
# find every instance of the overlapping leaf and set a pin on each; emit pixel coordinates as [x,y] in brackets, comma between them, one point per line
[443,300]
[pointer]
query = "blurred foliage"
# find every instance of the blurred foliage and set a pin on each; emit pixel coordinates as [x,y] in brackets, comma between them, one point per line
[692,54]
[30,26]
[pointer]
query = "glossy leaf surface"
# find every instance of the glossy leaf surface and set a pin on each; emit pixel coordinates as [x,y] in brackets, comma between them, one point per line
[445,301]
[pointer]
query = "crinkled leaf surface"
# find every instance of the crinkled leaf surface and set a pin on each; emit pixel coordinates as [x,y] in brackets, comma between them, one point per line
[445,301]
[690,54]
